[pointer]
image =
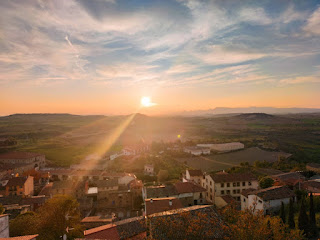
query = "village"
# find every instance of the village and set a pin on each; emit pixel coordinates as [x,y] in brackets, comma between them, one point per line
[118,203]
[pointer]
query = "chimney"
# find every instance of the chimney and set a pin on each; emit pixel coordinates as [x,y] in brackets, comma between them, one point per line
[151,200]
[170,202]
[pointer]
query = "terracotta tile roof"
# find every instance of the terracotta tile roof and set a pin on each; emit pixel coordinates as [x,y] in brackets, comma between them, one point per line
[246,192]
[19,155]
[162,204]
[27,237]
[125,229]
[195,172]
[46,190]
[274,193]
[313,165]
[16,181]
[312,186]
[34,200]
[288,175]
[233,177]
[228,199]
[215,228]
[188,187]
[161,191]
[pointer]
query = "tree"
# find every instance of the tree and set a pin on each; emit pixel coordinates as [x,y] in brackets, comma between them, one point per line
[24,224]
[57,215]
[282,213]
[247,225]
[303,221]
[291,222]
[313,224]
[266,182]
[163,175]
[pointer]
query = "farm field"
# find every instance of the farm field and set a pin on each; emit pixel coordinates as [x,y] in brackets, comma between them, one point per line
[216,162]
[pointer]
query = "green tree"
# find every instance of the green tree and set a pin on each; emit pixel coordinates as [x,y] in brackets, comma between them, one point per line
[57,215]
[163,175]
[24,224]
[313,224]
[282,213]
[303,221]
[266,182]
[291,222]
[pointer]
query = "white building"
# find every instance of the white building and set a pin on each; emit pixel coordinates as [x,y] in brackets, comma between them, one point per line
[193,175]
[223,147]
[149,169]
[197,151]
[266,200]
[231,184]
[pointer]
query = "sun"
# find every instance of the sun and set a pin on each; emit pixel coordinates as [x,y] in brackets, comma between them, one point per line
[146,102]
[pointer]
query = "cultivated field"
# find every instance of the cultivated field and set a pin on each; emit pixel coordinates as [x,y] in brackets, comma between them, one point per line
[216,162]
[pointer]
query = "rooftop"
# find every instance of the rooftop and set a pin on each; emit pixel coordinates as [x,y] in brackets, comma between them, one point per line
[195,172]
[162,204]
[161,191]
[27,237]
[188,187]
[274,193]
[16,181]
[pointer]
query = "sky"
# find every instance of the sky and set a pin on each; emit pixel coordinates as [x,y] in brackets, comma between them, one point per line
[103,56]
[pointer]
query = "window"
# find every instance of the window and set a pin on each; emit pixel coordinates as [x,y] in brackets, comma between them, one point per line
[244,199]
[228,191]
[228,184]
[222,185]
[249,183]
[238,184]
[238,190]
[222,192]
[234,191]
[201,195]
[243,183]
[211,190]
[260,201]
[234,184]
[210,183]
[211,197]
[238,198]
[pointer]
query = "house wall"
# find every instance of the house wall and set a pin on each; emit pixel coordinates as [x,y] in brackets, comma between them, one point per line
[257,203]
[29,186]
[4,226]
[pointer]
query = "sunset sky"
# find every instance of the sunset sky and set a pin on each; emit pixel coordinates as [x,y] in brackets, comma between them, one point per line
[103,56]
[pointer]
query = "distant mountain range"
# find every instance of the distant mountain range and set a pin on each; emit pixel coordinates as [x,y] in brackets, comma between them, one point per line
[268,110]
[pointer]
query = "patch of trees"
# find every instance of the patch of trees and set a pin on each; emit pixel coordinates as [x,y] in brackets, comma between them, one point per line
[58,216]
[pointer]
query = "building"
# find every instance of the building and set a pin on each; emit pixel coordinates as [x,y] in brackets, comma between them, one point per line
[18,186]
[132,228]
[266,200]
[224,200]
[288,179]
[193,175]
[205,218]
[161,204]
[77,189]
[228,184]
[149,169]
[311,186]
[197,151]
[4,226]
[315,167]
[37,160]
[77,175]
[189,193]
[223,147]
[95,221]
[26,237]
[135,149]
